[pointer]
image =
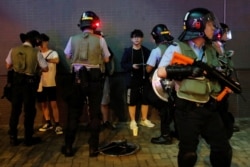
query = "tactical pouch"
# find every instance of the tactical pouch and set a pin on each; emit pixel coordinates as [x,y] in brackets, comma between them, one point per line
[194,86]
[81,76]
[194,90]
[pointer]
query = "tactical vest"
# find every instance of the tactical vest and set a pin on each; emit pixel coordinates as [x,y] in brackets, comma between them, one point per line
[24,59]
[86,49]
[199,89]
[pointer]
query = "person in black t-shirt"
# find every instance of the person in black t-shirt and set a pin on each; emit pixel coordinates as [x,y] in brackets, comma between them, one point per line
[137,79]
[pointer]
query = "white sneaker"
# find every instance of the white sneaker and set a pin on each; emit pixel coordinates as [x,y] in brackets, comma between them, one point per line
[147,123]
[45,127]
[133,125]
[59,130]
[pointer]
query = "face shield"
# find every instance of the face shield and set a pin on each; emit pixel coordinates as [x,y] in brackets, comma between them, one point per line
[228,35]
[222,34]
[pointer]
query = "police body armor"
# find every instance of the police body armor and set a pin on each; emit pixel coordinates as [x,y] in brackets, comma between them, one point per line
[87,59]
[25,65]
[24,60]
[199,89]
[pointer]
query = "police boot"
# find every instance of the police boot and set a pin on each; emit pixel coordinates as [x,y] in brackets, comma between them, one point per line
[163,139]
[67,151]
[93,151]
[13,141]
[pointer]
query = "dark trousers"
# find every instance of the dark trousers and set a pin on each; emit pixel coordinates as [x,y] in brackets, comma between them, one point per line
[226,116]
[165,111]
[193,122]
[76,99]
[23,97]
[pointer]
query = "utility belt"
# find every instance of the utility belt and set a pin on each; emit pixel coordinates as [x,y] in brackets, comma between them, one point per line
[186,105]
[21,78]
[83,74]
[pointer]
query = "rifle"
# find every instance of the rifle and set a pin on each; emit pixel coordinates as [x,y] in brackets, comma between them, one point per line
[229,84]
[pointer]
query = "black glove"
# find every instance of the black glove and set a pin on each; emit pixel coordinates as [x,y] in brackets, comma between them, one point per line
[180,71]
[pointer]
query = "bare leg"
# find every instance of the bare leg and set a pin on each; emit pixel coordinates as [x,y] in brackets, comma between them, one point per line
[144,120]
[45,109]
[46,115]
[144,112]
[132,111]
[105,117]
[105,112]
[55,111]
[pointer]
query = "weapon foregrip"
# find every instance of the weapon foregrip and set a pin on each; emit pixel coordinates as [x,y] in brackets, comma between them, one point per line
[234,86]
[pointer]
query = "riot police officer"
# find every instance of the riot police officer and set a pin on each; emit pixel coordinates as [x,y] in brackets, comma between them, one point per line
[196,112]
[87,52]
[25,60]
[163,39]
[227,67]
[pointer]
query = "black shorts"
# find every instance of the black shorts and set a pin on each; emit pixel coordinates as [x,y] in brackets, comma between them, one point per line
[48,94]
[137,96]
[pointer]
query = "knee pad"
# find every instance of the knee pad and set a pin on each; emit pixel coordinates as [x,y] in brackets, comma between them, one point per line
[187,159]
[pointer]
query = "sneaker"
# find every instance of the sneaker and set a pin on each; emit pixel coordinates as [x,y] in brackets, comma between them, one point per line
[59,130]
[133,125]
[45,127]
[147,123]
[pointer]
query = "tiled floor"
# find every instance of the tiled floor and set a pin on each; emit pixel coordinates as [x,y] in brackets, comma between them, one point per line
[47,153]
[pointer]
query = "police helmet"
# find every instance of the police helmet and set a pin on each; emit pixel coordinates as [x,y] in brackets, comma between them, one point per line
[226,30]
[161,34]
[89,20]
[223,34]
[195,22]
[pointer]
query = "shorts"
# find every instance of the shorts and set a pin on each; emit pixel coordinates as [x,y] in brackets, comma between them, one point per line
[137,96]
[48,94]
[106,92]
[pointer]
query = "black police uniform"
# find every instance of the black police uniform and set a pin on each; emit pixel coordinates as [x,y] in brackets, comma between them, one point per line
[24,86]
[86,89]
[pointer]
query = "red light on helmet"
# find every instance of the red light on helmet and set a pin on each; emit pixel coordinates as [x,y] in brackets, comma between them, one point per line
[219,36]
[97,24]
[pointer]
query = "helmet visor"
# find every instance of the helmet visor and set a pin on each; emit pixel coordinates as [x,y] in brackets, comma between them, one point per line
[229,35]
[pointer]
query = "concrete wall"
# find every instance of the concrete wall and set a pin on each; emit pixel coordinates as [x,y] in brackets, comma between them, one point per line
[59,20]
